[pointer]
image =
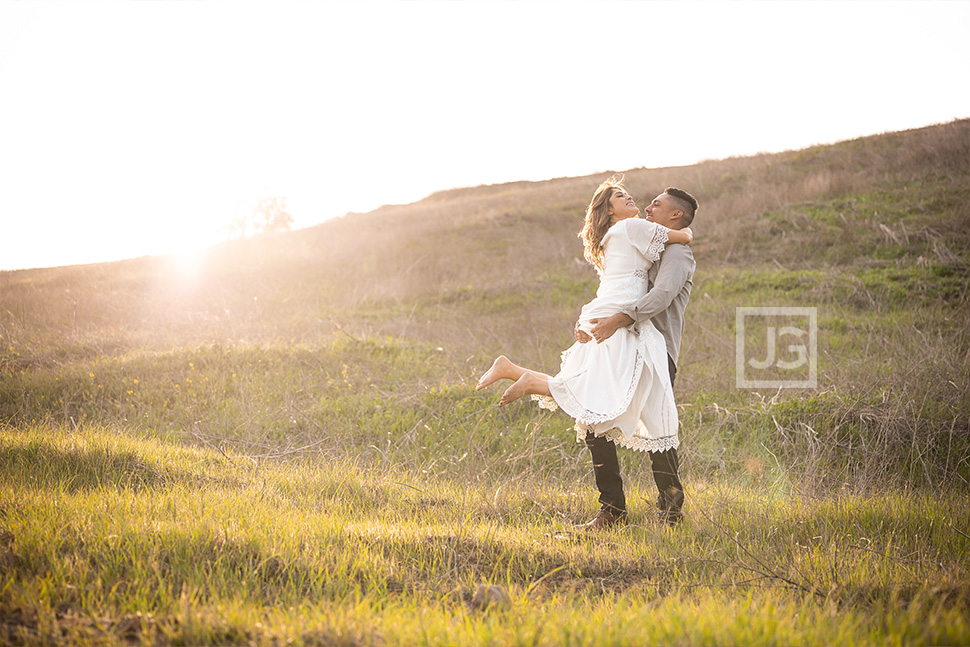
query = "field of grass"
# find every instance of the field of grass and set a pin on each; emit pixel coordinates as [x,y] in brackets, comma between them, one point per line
[281,444]
[110,538]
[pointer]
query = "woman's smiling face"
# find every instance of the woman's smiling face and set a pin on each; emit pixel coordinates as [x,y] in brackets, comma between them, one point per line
[622,206]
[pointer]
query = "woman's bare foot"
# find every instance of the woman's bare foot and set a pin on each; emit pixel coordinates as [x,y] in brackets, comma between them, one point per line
[525,385]
[502,367]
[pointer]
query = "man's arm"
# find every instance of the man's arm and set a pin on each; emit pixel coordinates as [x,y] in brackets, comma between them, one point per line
[676,268]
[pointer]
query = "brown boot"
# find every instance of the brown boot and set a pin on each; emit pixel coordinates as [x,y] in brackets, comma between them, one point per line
[604,520]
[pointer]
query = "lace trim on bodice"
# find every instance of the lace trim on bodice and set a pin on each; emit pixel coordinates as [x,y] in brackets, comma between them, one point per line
[636,285]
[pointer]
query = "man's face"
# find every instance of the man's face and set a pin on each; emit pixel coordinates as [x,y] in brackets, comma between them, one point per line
[662,212]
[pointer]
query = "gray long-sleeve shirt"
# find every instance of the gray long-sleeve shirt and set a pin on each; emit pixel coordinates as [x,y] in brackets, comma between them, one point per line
[670,280]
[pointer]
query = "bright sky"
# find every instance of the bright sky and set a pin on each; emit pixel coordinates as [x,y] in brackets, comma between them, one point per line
[133,128]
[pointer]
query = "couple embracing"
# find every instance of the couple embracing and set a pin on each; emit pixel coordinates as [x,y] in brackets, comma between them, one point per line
[616,381]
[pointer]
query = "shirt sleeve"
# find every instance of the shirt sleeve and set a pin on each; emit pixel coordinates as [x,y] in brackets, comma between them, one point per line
[672,275]
[648,237]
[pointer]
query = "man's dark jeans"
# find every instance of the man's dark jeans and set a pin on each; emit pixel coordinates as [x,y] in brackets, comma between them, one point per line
[606,470]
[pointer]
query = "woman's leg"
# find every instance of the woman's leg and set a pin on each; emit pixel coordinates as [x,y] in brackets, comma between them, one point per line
[530,383]
[503,368]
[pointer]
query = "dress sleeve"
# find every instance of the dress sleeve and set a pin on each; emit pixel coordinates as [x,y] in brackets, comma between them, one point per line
[648,237]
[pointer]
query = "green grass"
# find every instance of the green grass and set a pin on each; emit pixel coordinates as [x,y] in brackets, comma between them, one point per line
[110,538]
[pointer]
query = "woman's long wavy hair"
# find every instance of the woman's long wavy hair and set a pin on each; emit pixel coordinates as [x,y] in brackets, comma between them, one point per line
[598,221]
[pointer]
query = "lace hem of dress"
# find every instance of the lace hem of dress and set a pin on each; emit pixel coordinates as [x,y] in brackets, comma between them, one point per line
[636,443]
[546,402]
[583,416]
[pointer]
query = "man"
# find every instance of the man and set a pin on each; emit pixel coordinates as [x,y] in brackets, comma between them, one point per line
[670,282]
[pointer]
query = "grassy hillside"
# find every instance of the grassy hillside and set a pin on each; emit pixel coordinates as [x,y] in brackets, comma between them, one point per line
[873,232]
[281,441]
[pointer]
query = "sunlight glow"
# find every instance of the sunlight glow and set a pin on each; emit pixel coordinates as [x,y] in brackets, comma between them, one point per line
[186,263]
[115,144]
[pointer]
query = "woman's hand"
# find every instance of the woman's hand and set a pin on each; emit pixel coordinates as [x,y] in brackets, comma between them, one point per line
[603,329]
[680,236]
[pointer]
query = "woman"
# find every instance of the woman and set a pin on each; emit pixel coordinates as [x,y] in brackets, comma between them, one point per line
[619,388]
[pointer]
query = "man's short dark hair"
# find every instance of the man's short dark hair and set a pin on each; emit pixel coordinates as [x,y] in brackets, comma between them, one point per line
[685,202]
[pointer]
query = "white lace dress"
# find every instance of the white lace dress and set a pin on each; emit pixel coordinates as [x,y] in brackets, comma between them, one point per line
[620,388]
